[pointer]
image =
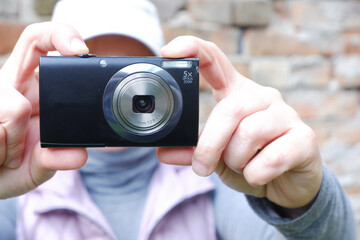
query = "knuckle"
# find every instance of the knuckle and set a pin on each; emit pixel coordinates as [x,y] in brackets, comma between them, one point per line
[236,166]
[229,106]
[23,110]
[274,161]
[30,29]
[212,45]
[273,92]
[264,173]
[205,149]
[288,110]
[253,178]
[309,134]
[204,152]
[271,95]
[309,139]
[19,109]
[248,132]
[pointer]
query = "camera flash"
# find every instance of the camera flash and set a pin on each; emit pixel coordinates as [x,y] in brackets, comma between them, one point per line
[176,64]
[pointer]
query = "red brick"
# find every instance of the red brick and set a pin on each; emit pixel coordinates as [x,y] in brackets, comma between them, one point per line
[172,32]
[322,105]
[351,42]
[301,11]
[273,42]
[252,13]
[9,34]
[321,130]
[347,131]
[212,11]
[241,65]
[281,9]
[309,71]
[227,39]
[270,71]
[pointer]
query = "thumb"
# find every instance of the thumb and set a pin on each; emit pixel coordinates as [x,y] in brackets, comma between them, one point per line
[45,161]
[175,155]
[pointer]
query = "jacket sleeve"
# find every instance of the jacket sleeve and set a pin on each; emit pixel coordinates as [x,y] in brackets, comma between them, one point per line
[330,216]
[8,213]
[234,218]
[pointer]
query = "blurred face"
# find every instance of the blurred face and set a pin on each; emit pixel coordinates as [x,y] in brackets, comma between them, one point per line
[113,45]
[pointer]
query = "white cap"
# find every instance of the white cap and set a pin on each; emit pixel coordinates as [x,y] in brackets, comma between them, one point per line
[137,19]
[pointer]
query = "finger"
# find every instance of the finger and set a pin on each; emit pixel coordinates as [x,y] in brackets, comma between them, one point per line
[37,40]
[39,164]
[213,64]
[237,181]
[32,94]
[255,132]
[219,128]
[15,112]
[2,145]
[42,167]
[289,152]
[45,161]
[175,155]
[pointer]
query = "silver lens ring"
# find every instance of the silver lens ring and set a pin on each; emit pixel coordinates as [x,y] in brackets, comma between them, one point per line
[142,79]
[143,84]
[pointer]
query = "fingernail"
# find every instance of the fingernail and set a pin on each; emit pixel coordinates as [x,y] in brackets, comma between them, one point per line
[15,163]
[200,169]
[165,49]
[79,46]
[174,46]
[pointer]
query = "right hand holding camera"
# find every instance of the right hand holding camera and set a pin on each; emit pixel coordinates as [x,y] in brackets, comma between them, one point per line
[253,140]
[23,164]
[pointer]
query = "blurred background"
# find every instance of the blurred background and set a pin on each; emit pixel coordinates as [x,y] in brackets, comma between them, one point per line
[309,50]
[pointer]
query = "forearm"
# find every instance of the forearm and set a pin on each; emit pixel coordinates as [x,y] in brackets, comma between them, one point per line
[329,217]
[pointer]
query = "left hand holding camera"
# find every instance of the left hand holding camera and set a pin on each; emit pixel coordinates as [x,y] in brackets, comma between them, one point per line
[23,164]
[253,140]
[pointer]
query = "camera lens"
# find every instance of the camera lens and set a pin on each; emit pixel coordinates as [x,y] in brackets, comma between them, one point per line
[143,104]
[129,102]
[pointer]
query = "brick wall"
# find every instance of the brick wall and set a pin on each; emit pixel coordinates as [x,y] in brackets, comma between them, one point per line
[310,50]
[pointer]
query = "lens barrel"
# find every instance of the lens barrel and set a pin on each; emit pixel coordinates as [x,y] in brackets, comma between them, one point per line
[142,102]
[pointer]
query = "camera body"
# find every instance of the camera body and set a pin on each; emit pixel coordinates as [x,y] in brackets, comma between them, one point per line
[89,101]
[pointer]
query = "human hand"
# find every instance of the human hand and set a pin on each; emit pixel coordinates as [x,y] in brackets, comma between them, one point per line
[254,141]
[23,164]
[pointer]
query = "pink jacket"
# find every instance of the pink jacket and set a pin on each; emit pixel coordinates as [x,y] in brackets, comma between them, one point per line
[178,207]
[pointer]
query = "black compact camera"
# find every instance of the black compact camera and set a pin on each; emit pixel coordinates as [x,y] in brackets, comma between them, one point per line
[90,101]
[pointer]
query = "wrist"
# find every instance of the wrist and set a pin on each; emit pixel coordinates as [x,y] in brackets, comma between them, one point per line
[292,213]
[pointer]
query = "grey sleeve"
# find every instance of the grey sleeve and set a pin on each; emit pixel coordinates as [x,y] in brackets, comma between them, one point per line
[330,216]
[8,213]
[234,218]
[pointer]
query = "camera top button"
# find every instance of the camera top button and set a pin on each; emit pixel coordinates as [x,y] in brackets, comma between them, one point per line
[87,55]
